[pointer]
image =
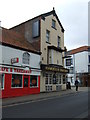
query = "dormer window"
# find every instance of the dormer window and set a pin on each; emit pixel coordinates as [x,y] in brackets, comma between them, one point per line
[26,58]
[53,23]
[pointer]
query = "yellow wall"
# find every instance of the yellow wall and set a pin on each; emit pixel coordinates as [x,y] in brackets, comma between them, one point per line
[47,25]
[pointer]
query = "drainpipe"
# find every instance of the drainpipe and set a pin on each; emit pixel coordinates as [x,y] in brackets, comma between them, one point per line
[74,67]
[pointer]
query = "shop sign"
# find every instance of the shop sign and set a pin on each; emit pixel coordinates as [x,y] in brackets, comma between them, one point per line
[14,60]
[14,70]
[62,70]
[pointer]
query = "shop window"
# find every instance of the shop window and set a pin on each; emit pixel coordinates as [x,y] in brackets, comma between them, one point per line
[16,80]
[46,79]
[64,79]
[54,79]
[47,36]
[59,81]
[1,81]
[50,79]
[33,81]
[26,58]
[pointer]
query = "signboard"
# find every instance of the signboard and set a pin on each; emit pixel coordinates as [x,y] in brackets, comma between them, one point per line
[54,69]
[13,70]
[14,60]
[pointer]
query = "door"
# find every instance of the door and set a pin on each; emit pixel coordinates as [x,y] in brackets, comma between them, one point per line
[26,81]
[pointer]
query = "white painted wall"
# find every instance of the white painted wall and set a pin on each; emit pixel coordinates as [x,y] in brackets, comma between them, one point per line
[81,62]
[8,53]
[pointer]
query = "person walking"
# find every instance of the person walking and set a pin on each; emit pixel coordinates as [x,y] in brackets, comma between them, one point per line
[76,84]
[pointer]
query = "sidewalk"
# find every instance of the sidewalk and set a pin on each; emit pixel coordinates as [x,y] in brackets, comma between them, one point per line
[27,98]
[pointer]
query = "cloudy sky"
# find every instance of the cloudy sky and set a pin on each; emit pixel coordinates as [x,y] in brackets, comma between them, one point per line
[73,15]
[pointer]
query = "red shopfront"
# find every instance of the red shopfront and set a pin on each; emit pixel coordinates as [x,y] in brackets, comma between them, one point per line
[19,82]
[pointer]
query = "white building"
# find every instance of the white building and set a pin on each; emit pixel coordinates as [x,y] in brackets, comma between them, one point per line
[78,63]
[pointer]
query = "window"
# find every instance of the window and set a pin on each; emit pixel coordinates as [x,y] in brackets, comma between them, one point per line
[16,80]
[68,62]
[1,81]
[53,23]
[71,70]
[50,79]
[46,79]
[58,42]
[88,68]
[36,29]
[47,36]
[54,79]
[33,81]
[64,80]
[26,58]
[89,58]
[59,79]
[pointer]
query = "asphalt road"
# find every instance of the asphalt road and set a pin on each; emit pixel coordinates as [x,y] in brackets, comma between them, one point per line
[67,106]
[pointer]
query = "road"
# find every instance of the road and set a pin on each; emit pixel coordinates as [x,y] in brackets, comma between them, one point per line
[67,106]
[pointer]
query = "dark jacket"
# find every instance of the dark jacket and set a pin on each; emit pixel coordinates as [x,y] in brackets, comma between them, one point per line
[76,82]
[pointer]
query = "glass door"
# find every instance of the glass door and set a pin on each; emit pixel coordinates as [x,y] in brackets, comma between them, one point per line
[26,80]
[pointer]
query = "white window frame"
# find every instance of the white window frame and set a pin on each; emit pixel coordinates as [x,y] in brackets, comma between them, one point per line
[47,36]
[22,82]
[26,59]
[58,41]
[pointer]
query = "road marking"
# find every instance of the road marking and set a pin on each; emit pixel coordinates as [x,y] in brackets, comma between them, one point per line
[15,104]
[37,100]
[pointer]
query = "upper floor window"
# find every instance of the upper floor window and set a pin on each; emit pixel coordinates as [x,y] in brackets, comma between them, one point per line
[36,29]
[53,23]
[89,58]
[58,41]
[47,36]
[26,58]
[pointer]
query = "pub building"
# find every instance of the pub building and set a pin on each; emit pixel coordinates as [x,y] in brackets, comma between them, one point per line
[46,33]
[19,66]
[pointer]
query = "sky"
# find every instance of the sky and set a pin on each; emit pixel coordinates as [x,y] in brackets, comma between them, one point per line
[73,15]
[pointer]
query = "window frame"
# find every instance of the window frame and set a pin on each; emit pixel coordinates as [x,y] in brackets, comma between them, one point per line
[58,41]
[26,59]
[53,24]
[2,78]
[47,36]
[22,81]
[37,25]
[88,58]
[37,82]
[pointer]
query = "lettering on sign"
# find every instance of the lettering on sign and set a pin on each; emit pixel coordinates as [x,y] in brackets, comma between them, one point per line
[14,70]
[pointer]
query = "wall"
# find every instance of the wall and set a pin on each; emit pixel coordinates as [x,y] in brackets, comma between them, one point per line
[8,53]
[81,62]
[47,25]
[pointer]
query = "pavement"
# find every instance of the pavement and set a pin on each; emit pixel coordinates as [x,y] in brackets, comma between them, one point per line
[44,95]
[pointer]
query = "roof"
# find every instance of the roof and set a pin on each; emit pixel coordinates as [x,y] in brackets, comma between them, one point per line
[16,40]
[77,50]
[43,16]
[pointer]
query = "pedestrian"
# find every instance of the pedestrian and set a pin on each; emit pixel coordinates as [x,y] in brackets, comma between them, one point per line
[76,84]
[86,83]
